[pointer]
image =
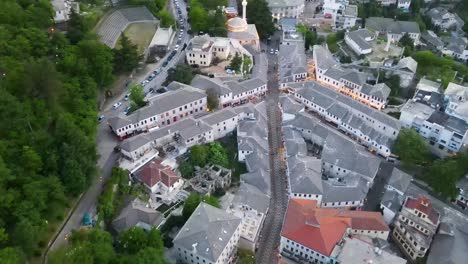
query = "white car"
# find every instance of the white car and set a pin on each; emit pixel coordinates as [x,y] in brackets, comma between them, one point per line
[272,51]
[127,96]
[176,48]
[276,51]
[117,105]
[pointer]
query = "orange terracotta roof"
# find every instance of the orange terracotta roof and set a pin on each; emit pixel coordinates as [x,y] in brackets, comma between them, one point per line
[321,229]
[424,205]
[154,172]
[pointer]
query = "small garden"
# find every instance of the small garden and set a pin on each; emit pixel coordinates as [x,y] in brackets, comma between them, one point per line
[223,153]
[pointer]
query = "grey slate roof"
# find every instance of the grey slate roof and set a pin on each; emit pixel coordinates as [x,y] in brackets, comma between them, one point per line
[344,153]
[205,83]
[208,230]
[135,213]
[325,97]
[450,244]
[399,180]
[305,174]
[449,122]
[340,193]
[253,83]
[260,179]
[380,90]
[291,60]
[251,196]
[117,122]
[168,101]
[289,105]
[134,143]
[392,200]
[356,77]
[324,59]
[431,39]
[359,37]
[391,26]
[219,116]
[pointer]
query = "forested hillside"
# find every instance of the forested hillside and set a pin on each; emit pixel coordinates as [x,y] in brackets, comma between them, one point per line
[48,88]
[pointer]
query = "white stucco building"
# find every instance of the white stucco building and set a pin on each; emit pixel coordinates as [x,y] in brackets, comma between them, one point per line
[286,8]
[202,50]
[347,81]
[162,110]
[210,236]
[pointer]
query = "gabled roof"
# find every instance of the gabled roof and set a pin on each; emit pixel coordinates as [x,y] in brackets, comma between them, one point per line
[359,37]
[206,83]
[320,229]
[399,180]
[207,231]
[251,196]
[154,172]
[391,26]
[323,57]
[135,213]
[117,122]
[424,205]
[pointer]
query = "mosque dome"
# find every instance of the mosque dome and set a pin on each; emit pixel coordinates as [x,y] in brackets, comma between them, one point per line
[236,24]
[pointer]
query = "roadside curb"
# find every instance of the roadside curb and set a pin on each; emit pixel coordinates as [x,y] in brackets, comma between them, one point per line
[52,241]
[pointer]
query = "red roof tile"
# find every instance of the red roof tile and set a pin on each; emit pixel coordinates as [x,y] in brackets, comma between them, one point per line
[154,172]
[321,229]
[424,205]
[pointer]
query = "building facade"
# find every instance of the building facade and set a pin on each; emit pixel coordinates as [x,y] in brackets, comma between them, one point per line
[415,227]
[286,8]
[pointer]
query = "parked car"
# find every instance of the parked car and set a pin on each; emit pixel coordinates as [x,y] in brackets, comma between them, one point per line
[127,96]
[127,110]
[100,118]
[117,105]
[165,63]
[161,90]
[176,47]
[276,51]
[272,51]
[86,220]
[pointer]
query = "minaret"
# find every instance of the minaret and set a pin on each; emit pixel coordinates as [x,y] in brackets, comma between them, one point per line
[244,10]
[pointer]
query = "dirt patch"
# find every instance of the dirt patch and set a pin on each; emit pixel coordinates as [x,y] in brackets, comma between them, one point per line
[140,34]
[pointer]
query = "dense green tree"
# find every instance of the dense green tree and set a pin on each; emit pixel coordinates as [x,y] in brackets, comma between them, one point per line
[166,18]
[149,255]
[77,28]
[11,256]
[217,24]
[186,169]
[236,63]
[411,147]
[181,73]
[408,44]
[260,15]
[444,174]
[394,83]
[126,57]
[48,110]
[137,97]
[199,155]
[193,200]
[332,43]
[217,154]
[212,99]
[198,17]
[98,59]
[310,37]
[132,240]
